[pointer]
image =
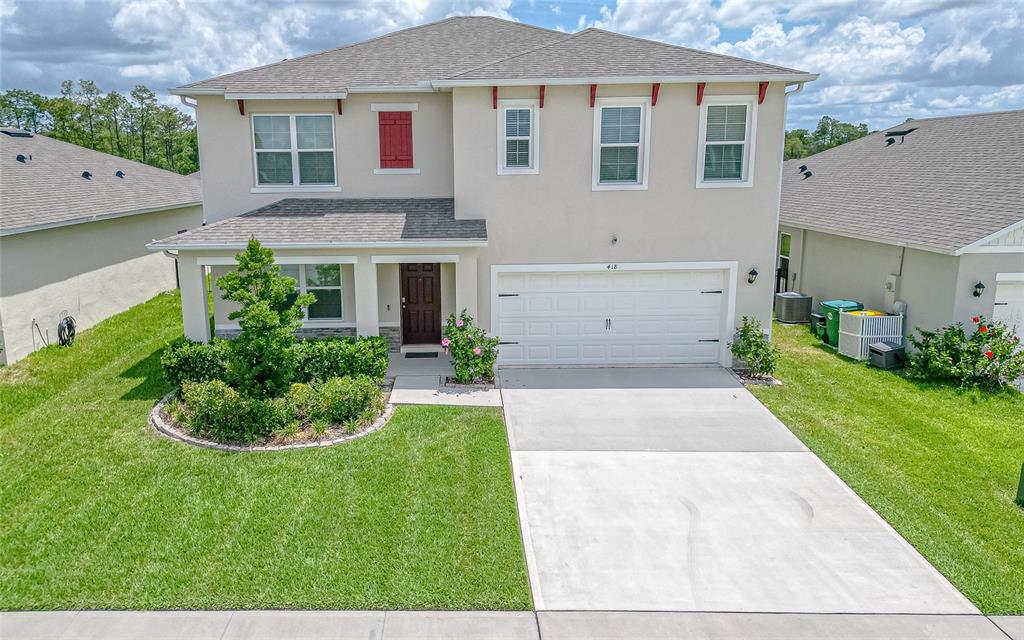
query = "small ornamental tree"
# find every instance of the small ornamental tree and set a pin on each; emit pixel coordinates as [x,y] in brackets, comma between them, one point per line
[472,352]
[261,360]
[754,348]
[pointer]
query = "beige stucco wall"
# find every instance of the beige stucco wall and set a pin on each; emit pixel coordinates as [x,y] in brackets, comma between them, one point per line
[555,217]
[981,267]
[91,270]
[226,155]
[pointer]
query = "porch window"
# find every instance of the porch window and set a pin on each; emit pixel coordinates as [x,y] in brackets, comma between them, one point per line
[296,151]
[324,282]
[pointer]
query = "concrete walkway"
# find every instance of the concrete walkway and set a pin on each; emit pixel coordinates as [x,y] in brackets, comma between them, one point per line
[427,389]
[483,625]
[673,489]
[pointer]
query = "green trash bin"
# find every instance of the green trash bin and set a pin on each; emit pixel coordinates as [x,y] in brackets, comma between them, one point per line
[831,309]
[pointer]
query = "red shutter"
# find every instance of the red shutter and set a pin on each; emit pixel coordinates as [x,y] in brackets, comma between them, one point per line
[395,139]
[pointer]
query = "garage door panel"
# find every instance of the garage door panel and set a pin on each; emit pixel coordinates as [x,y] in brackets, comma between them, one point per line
[611,317]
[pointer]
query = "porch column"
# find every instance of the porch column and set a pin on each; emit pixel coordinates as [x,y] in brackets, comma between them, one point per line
[367,317]
[195,315]
[465,285]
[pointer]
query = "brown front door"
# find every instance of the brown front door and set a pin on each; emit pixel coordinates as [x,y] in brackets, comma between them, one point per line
[421,303]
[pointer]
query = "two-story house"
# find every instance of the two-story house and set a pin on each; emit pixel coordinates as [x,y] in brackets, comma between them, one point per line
[589,197]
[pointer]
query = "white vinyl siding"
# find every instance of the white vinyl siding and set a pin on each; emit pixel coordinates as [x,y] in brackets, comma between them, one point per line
[726,133]
[294,151]
[324,282]
[621,138]
[517,136]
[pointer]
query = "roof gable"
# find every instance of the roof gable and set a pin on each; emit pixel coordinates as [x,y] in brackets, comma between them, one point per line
[48,189]
[945,186]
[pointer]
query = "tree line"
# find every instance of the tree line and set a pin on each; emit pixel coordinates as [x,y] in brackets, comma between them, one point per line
[829,133]
[131,126]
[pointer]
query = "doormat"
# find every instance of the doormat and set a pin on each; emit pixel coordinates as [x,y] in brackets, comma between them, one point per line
[421,354]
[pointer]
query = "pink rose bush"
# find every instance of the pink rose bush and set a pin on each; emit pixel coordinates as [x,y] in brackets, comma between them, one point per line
[472,352]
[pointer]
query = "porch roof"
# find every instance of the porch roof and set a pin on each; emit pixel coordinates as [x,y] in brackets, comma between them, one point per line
[338,222]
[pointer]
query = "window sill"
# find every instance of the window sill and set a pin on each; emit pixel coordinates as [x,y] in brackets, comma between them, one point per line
[724,184]
[525,171]
[294,189]
[622,186]
[396,172]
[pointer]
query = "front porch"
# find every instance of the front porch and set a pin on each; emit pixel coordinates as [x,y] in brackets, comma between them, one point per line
[390,267]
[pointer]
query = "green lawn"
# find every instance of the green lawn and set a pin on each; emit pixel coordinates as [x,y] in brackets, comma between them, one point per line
[100,512]
[940,465]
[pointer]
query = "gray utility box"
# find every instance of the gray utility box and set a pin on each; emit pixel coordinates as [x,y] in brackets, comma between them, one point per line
[792,307]
[887,355]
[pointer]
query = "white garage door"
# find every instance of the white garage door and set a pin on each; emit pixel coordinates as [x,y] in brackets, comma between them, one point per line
[1009,305]
[610,316]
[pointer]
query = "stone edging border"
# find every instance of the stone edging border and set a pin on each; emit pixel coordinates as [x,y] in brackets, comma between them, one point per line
[167,429]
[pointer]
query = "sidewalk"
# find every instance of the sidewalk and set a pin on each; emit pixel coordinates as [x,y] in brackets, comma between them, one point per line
[525,625]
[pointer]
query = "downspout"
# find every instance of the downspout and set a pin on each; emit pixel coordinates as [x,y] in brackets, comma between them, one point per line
[177,277]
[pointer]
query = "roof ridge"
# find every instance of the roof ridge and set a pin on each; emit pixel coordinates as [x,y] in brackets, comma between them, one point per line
[326,51]
[962,115]
[691,49]
[362,42]
[567,37]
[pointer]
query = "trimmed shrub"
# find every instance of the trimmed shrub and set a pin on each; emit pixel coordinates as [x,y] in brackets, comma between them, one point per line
[213,409]
[318,360]
[990,357]
[349,401]
[754,348]
[187,361]
[473,353]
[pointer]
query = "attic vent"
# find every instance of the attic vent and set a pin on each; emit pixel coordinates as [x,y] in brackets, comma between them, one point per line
[21,158]
[119,173]
[802,168]
[901,134]
[17,133]
[87,175]
[807,174]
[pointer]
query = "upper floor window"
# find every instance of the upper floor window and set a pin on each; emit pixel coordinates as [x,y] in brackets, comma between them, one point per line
[725,150]
[394,127]
[324,282]
[517,136]
[294,150]
[622,135]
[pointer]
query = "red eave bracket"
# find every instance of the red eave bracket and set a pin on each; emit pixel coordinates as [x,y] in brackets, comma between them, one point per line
[654,93]
[762,88]
[541,96]
[241,107]
[593,95]
[494,97]
[700,93]
[339,106]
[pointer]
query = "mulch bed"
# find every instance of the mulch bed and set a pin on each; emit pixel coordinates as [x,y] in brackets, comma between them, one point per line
[451,383]
[747,377]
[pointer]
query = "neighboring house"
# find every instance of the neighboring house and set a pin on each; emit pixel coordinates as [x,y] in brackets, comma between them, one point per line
[923,219]
[588,197]
[73,225]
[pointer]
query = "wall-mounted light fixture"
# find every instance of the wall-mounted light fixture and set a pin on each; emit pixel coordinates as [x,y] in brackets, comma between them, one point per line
[979,289]
[752,276]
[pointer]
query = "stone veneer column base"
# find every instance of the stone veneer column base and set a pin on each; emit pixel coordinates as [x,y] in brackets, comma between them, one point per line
[304,333]
[394,337]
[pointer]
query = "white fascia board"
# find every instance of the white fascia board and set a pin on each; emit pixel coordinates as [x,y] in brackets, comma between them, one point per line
[232,246]
[866,238]
[94,218]
[979,245]
[414,257]
[390,88]
[230,260]
[334,95]
[196,91]
[514,82]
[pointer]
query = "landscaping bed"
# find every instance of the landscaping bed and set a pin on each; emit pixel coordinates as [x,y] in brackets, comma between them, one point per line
[939,463]
[101,513]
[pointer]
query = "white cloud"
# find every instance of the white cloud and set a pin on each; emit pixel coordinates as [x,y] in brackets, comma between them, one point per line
[973,52]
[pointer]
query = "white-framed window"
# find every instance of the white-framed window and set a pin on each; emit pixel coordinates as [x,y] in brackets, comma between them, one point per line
[293,152]
[518,127]
[725,149]
[323,280]
[622,135]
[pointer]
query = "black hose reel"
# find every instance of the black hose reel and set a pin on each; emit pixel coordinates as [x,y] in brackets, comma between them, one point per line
[66,330]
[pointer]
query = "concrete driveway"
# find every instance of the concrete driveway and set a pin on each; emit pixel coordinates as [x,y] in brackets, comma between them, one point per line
[674,489]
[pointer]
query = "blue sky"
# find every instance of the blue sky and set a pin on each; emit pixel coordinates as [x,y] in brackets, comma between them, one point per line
[881,61]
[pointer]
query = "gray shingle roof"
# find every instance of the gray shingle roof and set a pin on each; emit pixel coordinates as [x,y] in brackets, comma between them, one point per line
[402,58]
[595,53]
[474,48]
[953,182]
[337,221]
[49,189]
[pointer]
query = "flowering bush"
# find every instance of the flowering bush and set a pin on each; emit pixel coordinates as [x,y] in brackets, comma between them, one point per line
[473,353]
[990,357]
